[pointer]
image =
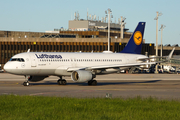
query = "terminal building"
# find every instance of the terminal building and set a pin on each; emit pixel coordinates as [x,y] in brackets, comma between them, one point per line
[82,35]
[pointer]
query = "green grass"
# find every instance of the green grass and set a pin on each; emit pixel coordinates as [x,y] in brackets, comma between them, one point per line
[57,108]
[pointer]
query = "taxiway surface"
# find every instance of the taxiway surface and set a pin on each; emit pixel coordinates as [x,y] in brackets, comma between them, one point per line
[161,86]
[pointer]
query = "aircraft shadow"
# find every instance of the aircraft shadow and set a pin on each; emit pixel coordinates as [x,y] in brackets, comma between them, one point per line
[98,84]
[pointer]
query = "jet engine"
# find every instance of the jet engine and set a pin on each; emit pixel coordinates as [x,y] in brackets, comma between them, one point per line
[82,76]
[36,78]
[146,66]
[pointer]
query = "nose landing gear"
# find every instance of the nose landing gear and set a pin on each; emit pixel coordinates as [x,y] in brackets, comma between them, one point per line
[26,83]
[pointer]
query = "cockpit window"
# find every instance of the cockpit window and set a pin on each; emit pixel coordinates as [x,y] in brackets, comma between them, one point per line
[22,60]
[17,59]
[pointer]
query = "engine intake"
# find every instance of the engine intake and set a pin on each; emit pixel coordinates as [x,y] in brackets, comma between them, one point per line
[81,76]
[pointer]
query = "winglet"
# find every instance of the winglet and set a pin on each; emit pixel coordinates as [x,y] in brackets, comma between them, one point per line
[28,50]
[170,55]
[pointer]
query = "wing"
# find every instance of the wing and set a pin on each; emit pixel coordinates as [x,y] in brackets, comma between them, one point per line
[107,66]
[69,69]
[119,65]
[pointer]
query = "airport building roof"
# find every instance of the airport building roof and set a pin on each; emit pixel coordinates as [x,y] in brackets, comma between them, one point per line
[91,25]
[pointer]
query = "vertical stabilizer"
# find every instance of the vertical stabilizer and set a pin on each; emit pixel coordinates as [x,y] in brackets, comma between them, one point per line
[28,50]
[170,54]
[135,43]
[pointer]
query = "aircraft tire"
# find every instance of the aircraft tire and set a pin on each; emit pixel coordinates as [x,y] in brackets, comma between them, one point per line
[63,82]
[92,82]
[26,83]
[59,82]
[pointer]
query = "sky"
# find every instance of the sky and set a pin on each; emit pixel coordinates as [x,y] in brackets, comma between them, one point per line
[46,15]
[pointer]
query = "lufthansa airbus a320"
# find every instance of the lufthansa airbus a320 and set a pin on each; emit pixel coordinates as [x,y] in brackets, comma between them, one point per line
[36,66]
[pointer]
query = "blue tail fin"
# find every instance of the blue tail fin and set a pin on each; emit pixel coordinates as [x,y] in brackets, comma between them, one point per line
[135,43]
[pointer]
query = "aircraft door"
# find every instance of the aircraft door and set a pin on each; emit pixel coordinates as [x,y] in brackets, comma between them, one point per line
[33,61]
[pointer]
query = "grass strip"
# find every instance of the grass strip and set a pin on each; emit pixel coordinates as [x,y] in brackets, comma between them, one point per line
[62,108]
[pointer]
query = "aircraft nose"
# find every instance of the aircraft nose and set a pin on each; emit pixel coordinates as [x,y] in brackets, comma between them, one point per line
[7,67]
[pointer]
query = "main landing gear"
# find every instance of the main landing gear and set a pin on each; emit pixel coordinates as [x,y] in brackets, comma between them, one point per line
[92,82]
[61,81]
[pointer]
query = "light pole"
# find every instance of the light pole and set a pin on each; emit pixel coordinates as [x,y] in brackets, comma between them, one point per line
[156,18]
[161,29]
[109,20]
[122,26]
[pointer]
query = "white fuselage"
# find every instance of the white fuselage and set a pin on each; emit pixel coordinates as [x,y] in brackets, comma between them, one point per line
[57,63]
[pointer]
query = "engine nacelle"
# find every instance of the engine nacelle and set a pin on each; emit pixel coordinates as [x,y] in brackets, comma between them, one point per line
[36,78]
[81,76]
[146,66]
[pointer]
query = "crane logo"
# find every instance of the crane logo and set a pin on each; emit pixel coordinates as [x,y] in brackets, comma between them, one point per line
[137,37]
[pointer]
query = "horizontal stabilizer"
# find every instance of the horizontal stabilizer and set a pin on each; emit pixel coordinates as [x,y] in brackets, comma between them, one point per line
[166,57]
